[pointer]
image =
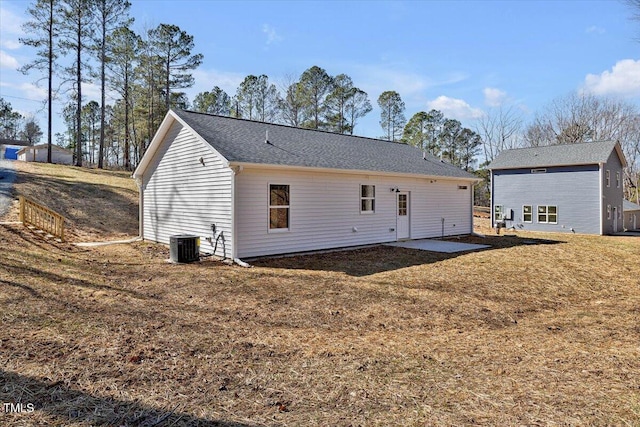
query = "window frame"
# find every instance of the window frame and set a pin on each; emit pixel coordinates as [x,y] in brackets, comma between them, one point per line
[270,207]
[370,198]
[547,213]
[498,214]
[607,178]
[530,213]
[608,211]
[617,179]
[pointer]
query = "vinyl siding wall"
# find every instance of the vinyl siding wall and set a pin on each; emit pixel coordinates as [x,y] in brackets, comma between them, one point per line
[612,195]
[574,190]
[325,208]
[183,196]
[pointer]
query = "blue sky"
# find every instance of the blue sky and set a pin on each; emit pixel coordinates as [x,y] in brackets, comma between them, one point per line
[463,58]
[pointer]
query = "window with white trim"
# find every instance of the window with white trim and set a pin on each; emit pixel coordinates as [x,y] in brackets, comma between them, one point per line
[608,211]
[548,214]
[607,178]
[527,213]
[618,179]
[367,198]
[278,207]
[498,212]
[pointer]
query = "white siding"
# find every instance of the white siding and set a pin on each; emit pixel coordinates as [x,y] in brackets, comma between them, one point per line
[325,208]
[182,195]
[57,156]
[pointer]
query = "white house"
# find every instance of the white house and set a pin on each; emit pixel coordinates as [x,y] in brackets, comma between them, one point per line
[38,153]
[251,188]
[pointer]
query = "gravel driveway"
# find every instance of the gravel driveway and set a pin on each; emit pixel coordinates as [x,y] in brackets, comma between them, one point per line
[7,176]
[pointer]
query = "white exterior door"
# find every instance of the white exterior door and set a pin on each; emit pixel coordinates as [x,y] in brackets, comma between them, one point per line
[402,216]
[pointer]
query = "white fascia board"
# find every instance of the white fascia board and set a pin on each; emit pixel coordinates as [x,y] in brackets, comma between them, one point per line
[350,171]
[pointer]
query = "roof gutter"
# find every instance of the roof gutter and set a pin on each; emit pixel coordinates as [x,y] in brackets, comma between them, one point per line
[352,171]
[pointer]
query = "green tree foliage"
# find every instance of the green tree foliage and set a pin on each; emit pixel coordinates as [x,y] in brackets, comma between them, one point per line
[392,117]
[217,101]
[124,48]
[357,106]
[291,105]
[173,49]
[42,28]
[344,105]
[423,131]
[91,129]
[111,14]
[9,121]
[31,131]
[459,145]
[314,86]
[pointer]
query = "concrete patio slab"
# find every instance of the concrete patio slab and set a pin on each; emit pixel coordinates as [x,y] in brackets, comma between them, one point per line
[437,245]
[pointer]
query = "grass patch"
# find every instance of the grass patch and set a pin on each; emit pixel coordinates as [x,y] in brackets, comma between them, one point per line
[521,334]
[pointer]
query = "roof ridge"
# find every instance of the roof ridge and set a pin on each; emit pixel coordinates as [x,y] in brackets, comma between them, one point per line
[602,141]
[294,127]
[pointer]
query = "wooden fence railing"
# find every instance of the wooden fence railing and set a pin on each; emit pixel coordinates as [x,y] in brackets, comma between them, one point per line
[41,217]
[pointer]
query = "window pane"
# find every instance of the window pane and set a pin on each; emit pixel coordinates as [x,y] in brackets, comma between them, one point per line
[278,218]
[527,217]
[367,205]
[527,209]
[279,195]
[542,209]
[368,190]
[553,218]
[542,218]
[552,209]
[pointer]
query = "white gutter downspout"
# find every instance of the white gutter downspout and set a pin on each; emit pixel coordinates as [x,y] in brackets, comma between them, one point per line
[235,171]
[140,183]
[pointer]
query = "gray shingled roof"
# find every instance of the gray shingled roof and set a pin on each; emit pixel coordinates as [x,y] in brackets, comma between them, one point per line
[630,206]
[554,155]
[243,141]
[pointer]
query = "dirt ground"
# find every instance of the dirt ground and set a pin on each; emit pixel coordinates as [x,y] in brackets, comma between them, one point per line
[540,329]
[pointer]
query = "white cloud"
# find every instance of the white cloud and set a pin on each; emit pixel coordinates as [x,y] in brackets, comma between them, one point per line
[622,80]
[8,61]
[10,44]
[11,23]
[494,97]
[205,80]
[594,29]
[31,91]
[455,108]
[272,35]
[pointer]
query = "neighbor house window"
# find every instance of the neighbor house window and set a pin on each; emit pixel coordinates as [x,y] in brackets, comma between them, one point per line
[548,214]
[278,207]
[608,211]
[367,198]
[607,178]
[538,171]
[498,212]
[527,213]
[617,179]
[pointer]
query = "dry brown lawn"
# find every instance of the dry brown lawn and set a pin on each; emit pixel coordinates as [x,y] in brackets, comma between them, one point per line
[541,329]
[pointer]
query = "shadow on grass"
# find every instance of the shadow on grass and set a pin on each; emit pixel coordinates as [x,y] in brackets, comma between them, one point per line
[88,205]
[378,259]
[74,406]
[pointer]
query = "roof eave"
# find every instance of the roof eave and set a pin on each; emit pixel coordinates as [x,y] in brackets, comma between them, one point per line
[351,171]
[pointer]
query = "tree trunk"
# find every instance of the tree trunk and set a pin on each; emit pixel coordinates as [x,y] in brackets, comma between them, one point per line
[50,88]
[79,93]
[102,90]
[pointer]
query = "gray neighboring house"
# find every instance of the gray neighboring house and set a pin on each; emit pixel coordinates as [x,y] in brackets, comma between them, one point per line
[251,189]
[560,188]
